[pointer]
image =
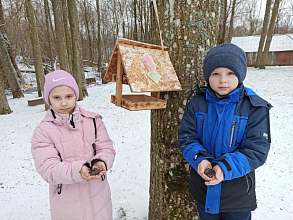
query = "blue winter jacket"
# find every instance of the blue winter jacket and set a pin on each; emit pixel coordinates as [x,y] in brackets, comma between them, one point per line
[232,132]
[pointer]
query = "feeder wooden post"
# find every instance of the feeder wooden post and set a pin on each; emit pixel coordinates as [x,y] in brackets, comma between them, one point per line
[118,96]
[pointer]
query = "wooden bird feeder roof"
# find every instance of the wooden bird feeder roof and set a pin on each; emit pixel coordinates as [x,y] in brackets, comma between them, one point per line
[127,67]
[134,71]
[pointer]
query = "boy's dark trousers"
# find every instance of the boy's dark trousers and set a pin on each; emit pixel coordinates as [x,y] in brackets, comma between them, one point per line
[223,215]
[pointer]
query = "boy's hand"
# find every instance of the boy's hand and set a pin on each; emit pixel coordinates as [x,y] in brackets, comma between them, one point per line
[202,166]
[217,178]
[84,172]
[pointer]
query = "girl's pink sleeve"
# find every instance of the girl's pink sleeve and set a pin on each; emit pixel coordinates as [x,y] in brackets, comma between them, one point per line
[104,145]
[48,163]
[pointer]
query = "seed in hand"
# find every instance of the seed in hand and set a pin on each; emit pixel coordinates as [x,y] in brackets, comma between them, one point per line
[94,172]
[209,172]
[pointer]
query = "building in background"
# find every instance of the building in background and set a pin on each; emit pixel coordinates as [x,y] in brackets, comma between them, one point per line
[280,53]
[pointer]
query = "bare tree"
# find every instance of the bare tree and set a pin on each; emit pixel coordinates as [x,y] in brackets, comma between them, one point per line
[7,42]
[76,48]
[231,27]
[135,37]
[222,22]
[49,33]
[60,32]
[253,17]
[67,34]
[9,70]
[99,36]
[35,46]
[4,106]
[169,196]
[89,38]
[264,57]
[263,33]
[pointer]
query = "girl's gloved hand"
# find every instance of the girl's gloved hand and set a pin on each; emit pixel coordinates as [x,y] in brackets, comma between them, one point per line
[217,178]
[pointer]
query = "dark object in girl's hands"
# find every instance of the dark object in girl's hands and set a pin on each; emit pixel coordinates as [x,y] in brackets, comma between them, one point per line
[209,172]
[94,172]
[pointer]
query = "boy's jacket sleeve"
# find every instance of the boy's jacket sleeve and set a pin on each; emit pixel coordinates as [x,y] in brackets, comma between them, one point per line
[254,150]
[188,141]
[48,162]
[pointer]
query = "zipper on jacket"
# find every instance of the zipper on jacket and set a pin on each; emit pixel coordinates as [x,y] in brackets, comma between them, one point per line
[59,189]
[232,133]
[71,120]
[203,118]
[239,129]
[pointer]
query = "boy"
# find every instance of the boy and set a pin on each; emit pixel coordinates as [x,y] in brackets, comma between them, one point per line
[225,136]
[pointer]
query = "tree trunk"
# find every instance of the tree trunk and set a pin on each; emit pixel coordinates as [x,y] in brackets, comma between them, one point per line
[8,46]
[35,46]
[188,39]
[9,70]
[135,37]
[231,28]
[60,35]
[49,33]
[88,33]
[4,106]
[263,33]
[222,22]
[141,20]
[3,32]
[99,35]
[76,48]
[264,58]
[67,34]
[146,20]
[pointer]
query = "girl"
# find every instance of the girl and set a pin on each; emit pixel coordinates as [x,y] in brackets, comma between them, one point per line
[68,145]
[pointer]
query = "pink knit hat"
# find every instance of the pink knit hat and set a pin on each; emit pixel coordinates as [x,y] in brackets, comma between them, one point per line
[59,78]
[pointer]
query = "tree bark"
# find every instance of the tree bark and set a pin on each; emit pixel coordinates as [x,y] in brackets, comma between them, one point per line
[76,48]
[88,33]
[99,36]
[135,36]
[222,22]
[4,106]
[60,35]
[67,34]
[140,7]
[188,39]
[264,58]
[35,46]
[49,33]
[8,47]
[9,70]
[231,27]
[263,33]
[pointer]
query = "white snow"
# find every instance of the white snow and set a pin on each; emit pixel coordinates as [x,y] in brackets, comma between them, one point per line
[24,195]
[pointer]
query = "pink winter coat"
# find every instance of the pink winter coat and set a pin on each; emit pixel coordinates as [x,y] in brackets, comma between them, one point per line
[79,199]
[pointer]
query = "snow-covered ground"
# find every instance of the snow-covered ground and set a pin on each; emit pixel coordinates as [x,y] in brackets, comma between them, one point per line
[24,195]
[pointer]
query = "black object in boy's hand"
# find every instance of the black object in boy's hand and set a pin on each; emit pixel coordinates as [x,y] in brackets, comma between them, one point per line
[94,172]
[209,172]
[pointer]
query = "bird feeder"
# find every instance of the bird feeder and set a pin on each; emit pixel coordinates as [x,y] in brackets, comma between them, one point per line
[145,68]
